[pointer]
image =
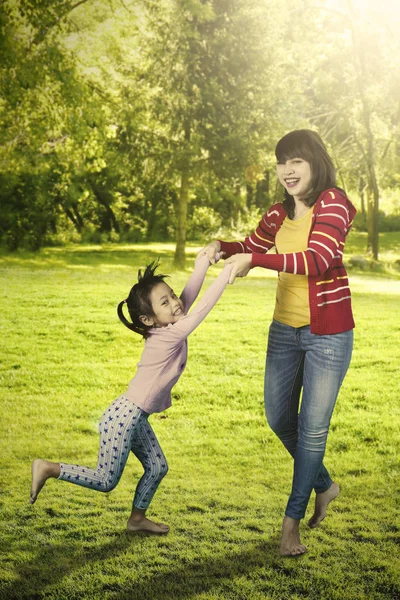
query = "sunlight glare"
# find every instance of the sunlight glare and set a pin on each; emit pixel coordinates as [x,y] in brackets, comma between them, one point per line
[388,9]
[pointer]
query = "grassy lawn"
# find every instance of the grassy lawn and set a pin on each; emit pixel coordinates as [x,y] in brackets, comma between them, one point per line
[64,357]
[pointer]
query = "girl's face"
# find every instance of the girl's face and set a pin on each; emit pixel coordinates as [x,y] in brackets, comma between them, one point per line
[295,176]
[167,307]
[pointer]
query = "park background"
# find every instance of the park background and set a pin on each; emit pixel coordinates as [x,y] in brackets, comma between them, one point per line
[132,130]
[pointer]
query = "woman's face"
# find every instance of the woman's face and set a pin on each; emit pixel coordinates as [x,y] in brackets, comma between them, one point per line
[295,176]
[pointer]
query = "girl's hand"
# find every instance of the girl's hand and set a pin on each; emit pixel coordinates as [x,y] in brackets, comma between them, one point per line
[211,250]
[241,265]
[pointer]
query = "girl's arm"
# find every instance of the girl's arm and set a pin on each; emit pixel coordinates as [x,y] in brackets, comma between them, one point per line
[195,281]
[182,328]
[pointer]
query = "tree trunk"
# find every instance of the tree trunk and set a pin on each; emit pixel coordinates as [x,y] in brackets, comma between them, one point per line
[181,219]
[373,202]
[104,198]
[249,195]
[362,190]
[370,212]
[182,204]
[236,204]
[373,218]
[153,199]
[373,191]
[73,215]
[262,191]
[78,218]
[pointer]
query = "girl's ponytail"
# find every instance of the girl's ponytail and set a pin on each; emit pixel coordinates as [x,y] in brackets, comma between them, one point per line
[124,320]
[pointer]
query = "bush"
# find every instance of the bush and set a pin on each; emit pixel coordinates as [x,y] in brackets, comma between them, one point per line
[389,222]
[246,223]
[386,222]
[203,223]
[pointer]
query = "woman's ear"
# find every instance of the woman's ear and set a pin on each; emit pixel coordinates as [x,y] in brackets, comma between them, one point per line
[148,321]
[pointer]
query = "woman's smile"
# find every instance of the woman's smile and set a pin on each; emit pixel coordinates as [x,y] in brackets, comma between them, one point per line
[295,175]
[291,182]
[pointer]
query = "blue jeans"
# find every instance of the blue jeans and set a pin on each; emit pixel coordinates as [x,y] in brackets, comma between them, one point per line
[317,364]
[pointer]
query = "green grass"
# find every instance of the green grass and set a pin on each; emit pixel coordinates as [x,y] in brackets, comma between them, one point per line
[389,251]
[64,357]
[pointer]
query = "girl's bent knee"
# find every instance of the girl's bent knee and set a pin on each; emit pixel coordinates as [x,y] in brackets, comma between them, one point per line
[109,485]
[160,472]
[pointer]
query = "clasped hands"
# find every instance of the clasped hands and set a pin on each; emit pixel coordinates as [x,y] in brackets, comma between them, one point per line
[241,262]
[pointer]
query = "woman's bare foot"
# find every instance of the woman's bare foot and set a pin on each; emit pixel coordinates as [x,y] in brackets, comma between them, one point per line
[138,522]
[290,543]
[41,471]
[321,504]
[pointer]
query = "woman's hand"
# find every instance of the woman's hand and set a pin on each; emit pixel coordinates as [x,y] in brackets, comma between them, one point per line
[211,249]
[241,265]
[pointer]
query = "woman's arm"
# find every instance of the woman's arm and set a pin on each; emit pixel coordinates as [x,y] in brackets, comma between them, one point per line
[326,242]
[260,241]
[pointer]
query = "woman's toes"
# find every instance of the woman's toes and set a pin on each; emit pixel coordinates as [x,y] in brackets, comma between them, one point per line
[298,550]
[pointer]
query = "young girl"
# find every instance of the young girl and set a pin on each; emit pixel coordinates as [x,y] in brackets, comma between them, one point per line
[310,338]
[161,318]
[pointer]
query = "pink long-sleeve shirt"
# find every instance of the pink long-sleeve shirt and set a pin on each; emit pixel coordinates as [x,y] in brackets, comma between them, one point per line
[165,351]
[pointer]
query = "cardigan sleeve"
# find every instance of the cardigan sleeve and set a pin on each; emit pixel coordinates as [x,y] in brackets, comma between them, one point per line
[262,239]
[326,241]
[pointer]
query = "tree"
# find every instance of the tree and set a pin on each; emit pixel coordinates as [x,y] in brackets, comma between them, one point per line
[130,117]
[41,117]
[358,66]
[205,73]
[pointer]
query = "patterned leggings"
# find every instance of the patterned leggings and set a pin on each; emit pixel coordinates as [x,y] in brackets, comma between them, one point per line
[123,427]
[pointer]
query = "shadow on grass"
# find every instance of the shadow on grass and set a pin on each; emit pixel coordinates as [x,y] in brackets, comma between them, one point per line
[40,577]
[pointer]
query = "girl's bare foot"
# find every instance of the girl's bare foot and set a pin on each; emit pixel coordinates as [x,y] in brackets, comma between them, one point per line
[321,504]
[290,543]
[143,524]
[138,522]
[41,471]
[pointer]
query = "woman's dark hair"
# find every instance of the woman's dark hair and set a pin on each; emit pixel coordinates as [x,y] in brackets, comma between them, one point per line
[307,144]
[138,301]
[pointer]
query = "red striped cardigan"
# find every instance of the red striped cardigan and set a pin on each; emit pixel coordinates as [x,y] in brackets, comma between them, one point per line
[328,285]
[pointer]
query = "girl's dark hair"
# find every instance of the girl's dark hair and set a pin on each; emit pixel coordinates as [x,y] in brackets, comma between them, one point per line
[307,144]
[138,301]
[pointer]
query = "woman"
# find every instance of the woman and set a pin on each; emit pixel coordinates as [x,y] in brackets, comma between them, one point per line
[310,339]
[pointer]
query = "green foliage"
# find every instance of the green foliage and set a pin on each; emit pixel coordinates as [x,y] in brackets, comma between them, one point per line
[386,222]
[107,107]
[203,224]
[65,357]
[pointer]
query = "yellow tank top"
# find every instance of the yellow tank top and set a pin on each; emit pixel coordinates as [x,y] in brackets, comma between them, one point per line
[292,305]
